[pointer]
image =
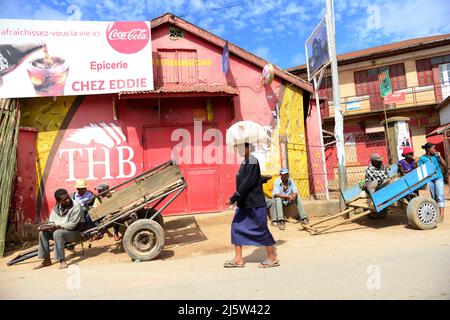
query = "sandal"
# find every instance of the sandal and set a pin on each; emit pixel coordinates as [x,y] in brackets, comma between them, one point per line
[233,264]
[269,264]
[43,265]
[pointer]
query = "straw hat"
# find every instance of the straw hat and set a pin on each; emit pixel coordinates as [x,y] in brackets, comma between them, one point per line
[81,184]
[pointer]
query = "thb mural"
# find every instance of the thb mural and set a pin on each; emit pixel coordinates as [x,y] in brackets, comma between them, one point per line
[94,145]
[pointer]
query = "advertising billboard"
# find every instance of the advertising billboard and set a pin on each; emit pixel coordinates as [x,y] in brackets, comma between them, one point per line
[57,58]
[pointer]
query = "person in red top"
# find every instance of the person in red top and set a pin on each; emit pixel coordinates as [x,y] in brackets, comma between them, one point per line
[407,164]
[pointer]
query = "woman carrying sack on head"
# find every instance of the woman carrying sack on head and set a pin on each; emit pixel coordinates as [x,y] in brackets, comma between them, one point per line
[249,226]
[436,186]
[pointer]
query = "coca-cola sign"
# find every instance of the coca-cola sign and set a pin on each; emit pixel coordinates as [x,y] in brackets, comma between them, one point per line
[40,58]
[128,37]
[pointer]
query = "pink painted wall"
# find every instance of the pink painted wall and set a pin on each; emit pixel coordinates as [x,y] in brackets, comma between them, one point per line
[148,136]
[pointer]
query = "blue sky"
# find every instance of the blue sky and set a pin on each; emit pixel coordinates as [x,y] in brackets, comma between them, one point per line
[275,30]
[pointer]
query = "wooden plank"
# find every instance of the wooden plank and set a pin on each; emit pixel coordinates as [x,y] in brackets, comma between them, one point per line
[360,215]
[146,186]
[365,203]
[332,217]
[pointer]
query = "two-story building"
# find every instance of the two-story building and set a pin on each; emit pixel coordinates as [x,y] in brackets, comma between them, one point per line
[110,138]
[419,72]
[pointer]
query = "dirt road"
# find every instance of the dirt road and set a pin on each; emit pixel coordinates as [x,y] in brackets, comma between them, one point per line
[382,259]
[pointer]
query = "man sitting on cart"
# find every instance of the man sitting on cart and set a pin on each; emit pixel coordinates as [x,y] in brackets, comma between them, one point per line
[376,174]
[61,228]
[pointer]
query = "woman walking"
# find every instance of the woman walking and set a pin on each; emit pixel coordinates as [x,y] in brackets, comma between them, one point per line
[249,226]
[437,185]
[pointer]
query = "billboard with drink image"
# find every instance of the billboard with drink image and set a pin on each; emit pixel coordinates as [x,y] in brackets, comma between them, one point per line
[56,58]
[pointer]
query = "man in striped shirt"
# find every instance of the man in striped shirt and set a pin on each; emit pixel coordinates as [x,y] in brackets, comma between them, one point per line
[376,174]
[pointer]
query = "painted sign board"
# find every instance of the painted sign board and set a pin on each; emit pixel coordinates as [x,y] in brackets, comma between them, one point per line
[63,58]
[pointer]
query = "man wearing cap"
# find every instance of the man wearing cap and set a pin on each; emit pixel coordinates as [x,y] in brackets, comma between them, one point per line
[407,164]
[84,197]
[376,174]
[285,193]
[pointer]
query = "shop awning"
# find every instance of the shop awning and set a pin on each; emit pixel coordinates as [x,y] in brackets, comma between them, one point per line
[173,91]
[439,130]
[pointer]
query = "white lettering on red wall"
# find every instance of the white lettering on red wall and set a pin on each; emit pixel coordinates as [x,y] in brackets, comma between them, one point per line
[102,142]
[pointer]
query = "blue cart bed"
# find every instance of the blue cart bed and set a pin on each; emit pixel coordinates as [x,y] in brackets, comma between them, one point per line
[421,211]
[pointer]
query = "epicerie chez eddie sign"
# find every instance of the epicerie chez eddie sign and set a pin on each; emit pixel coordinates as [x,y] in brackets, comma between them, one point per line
[64,58]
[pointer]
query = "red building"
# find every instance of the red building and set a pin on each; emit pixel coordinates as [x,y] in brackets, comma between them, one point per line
[110,138]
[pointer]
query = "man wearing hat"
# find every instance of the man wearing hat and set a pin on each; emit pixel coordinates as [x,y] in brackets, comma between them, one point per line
[285,193]
[376,174]
[84,197]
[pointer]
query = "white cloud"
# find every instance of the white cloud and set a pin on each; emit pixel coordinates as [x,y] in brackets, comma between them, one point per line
[47,13]
[264,52]
[397,21]
[206,23]
[292,9]
[298,59]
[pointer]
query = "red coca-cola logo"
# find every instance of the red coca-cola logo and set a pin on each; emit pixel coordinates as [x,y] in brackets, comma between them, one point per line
[128,36]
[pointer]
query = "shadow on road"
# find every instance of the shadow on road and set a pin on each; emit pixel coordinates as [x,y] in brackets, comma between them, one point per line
[260,253]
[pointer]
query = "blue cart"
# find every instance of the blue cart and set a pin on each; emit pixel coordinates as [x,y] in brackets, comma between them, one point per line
[402,192]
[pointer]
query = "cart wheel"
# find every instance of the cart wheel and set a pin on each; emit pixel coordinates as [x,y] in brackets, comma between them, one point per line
[144,240]
[422,212]
[144,214]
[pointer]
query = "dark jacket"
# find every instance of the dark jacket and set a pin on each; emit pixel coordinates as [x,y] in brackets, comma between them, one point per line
[249,192]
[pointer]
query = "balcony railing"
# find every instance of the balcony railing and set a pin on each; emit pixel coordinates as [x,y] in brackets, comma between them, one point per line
[409,97]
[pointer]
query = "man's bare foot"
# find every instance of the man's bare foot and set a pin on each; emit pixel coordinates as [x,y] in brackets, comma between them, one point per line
[63,265]
[116,237]
[43,264]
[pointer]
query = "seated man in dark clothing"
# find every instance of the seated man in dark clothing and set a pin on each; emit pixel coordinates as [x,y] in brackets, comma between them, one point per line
[376,174]
[61,228]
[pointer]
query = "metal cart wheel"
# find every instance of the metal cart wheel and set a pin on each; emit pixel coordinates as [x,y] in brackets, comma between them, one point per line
[422,212]
[144,240]
[144,214]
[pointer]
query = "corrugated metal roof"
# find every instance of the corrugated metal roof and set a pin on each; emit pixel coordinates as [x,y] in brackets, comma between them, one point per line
[194,88]
[390,47]
[439,130]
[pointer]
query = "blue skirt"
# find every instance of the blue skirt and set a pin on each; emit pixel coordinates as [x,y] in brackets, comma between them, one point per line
[249,228]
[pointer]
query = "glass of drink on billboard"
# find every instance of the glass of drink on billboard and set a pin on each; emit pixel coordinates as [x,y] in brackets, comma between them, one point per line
[48,75]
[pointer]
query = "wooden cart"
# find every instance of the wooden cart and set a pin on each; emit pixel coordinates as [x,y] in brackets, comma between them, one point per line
[422,212]
[136,204]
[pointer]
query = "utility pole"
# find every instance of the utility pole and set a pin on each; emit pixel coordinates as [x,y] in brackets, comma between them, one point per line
[338,117]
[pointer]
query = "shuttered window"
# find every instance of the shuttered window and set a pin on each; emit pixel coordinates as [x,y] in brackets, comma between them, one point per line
[424,72]
[397,76]
[366,81]
[177,66]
